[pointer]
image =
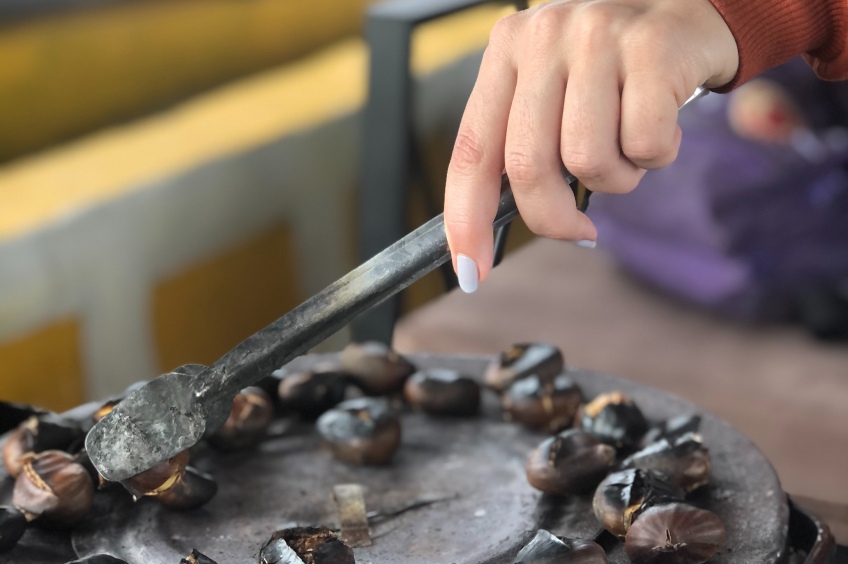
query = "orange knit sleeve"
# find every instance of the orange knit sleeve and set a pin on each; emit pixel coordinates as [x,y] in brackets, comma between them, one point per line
[770,32]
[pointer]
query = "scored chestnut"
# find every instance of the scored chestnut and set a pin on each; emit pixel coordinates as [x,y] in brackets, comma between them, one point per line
[375,368]
[622,496]
[250,415]
[38,434]
[546,548]
[361,431]
[685,460]
[13,524]
[543,404]
[614,419]
[54,488]
[571,462]
[521,360]
[673,428]
[306,545]
[309,394]
[674,533]
[443,392]
[174,484]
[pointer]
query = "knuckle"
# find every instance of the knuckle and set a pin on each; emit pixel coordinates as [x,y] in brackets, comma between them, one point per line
[647,149]
[503,32]
[545,27]
[468,151]
[521,167]
[585,166]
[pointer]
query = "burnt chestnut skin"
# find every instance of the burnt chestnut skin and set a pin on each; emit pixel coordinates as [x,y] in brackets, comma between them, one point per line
[443,392]
[622,496]
[521,360]
[571,462]
[544,405]
[361,431]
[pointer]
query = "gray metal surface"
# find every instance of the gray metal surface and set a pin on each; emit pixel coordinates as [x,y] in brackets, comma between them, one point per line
[475,465]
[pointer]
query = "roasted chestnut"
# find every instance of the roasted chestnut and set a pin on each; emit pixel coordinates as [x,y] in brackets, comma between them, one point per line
[443,392]
[375,368]
[54,488]
[250,416]
[37,434]
[104,410]
[544,361]
[543,404]
[622,496]
[614,419]
[672,429]
[545,548]
[361,431]
[174,484]
[309,394]
[306,545]
[569,463]
[196,557]
[674,533]
[685,460]
[13,525]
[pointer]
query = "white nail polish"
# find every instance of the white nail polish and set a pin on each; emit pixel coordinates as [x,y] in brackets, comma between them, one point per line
[466,272]
[587,244]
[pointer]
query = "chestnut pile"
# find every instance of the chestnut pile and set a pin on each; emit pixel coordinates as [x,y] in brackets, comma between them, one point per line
[640,474]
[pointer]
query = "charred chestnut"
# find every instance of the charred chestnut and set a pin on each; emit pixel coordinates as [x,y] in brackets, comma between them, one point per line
[545,548]
[13,525]
[673,428]
[622,496]
[196,557]
[37,434]
[306,545]
[13,414]
[309,394]
[569,463]
[361,431]
[54,488]
[375,368]
[543,404]
[544,361]
[443,392]
[614,419]
[685,460]
[174,484]
[250,416]
[674,533]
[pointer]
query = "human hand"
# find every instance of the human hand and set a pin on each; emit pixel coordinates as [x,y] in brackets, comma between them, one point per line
[592,84]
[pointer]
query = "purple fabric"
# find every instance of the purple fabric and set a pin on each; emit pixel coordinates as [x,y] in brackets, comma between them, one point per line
[735,225]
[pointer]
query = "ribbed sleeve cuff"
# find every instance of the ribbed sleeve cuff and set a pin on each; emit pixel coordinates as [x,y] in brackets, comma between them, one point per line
[770,32]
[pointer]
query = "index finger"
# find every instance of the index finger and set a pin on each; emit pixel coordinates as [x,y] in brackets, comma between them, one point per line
[474,175]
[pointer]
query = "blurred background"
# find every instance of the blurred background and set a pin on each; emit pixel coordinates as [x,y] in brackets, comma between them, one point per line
[176,174]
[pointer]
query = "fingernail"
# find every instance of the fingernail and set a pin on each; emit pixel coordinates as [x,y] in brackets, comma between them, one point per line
[587,244]
[466,272]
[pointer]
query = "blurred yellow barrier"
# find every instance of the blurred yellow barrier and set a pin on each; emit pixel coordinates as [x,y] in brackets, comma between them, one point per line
[66,74]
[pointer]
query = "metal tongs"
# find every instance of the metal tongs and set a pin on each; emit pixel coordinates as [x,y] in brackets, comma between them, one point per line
[173,412]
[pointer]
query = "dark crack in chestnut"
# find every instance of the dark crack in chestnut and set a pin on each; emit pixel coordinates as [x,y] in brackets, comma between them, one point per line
[614,419]
[443,392]
[361,431]
[571,462]
[622,496]
[53,488]
[38,434]
[310,394]
[250,415]
[674,533]
[521,360]
[543,404]
[306,545]
[685,460]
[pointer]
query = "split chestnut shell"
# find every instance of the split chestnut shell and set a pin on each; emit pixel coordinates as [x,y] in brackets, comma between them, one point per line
[54,488]
[443,392]
[571,462]
[309,394]
[38,434]
[545,548]
[543,404]
[361,431]
[623,496]
[685,460]
[614,419]
[674,533]
[521,360]
[375,368]
[306,545]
